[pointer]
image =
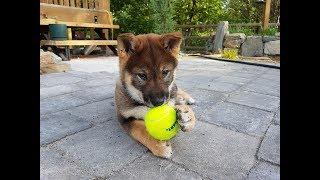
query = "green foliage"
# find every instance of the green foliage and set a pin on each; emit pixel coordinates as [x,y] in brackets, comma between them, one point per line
[162,16]
[230,54]
[133,16]
[196,12]
[246,30]
[271,31]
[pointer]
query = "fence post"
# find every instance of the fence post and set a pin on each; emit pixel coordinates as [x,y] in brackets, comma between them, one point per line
[266,14]
[222,29]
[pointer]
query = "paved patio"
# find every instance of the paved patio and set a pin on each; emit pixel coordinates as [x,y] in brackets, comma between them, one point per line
[237,135]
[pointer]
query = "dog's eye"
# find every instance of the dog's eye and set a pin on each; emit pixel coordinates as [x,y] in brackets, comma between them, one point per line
[165,73]
[142,76]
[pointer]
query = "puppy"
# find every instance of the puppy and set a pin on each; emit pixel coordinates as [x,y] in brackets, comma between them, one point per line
[147,66]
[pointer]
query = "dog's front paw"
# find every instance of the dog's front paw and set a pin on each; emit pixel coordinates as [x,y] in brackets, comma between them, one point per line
[184,98]
[185,117]
[162,149]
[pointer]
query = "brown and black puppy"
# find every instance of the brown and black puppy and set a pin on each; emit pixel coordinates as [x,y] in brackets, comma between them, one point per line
[147,66]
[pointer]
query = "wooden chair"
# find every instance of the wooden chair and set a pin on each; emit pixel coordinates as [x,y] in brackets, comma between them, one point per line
[93,14]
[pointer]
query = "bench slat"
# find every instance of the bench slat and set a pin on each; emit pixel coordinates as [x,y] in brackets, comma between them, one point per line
[77,24]
[78,42]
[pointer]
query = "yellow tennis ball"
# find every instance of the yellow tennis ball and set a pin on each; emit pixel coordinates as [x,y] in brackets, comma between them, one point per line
[161,122]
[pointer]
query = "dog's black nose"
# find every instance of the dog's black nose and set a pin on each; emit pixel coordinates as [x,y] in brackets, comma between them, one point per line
[157,101]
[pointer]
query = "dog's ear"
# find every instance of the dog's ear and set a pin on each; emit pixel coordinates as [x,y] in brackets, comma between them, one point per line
[127,43]
[172,41]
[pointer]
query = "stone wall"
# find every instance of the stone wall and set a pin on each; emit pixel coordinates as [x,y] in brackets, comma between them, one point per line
[250,46]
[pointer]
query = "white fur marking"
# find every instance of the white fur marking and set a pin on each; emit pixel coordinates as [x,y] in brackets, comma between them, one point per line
[136,112]
[135,93]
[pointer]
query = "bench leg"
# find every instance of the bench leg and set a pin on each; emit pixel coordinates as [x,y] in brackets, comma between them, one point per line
[68,54]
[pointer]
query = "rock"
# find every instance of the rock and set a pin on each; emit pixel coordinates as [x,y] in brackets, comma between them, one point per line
[50,62]
[272,47]
[234,40]
[252,46]
[221,31]
[270,38]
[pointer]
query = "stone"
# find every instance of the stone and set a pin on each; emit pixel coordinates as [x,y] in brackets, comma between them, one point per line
[105,148]
[232,79]
[61,102]
[96,112]
[46,92]
[50,63]
[252,46]
[270,38]
[221,31]
[234,40]
[239,118]
[209,43]
[256,100]
[95,94]
[220,86]
[277,117]
[151,167]
[204,99]
[272,47]
[55,79]
[215,152]
[264,171]
[55,166]
[270,146]
[268,89]
[59,125]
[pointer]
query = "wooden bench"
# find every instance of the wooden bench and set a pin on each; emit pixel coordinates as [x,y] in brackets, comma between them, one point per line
[92,14]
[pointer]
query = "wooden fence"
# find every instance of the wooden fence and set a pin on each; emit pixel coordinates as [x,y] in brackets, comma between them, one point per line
[187,32]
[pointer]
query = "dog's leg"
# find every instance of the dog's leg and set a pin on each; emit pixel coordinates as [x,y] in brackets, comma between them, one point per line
[185,117]
[137,130]
[184,98]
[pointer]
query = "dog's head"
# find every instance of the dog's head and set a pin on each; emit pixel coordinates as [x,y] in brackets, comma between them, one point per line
[147,65]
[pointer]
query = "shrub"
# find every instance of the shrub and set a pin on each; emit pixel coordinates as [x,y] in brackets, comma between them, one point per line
[271,31]
[230,54]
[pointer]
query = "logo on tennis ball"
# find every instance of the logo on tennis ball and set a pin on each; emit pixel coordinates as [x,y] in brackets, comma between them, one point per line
[161,122]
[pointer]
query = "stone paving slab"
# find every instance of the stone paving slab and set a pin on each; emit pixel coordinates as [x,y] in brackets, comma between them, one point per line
[151,167]
[277,117]
[239,118]
[55,166]
[215,152]
[94,83]
[55,79]
[103,149]
[61,124]
[265,88]
[264,171]
[58,103]
[242,74]
[204,100]
[220,86]
[92,75]
[95,94]
[58,90]
[252,99]
[96,112]
[232,79]
[270,146]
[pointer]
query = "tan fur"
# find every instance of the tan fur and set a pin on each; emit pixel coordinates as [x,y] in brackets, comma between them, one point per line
[158,148]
